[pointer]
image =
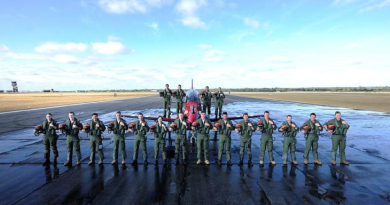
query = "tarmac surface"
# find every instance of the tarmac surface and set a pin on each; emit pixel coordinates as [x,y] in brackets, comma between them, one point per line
[23,180]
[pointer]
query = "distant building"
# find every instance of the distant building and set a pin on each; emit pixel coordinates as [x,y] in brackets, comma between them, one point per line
[48,91]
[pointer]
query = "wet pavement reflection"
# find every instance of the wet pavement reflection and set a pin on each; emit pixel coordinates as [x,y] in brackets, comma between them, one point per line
[365,181]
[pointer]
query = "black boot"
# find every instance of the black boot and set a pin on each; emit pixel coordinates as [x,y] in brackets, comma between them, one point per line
[55,162]
[240,163]
[219,162]
[156,162]
[250,163]
[46,162]
[164,114]
[229,163]
[165,162]
[134,163]
[177,159]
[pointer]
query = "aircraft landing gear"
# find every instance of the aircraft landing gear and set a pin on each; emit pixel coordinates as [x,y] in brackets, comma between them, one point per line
[193,137]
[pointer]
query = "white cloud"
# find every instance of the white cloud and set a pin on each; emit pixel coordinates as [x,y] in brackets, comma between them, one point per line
[70,59]
[213,56]
[158,3]
[153,26]
[193,22]
[64,58]
[4,48]
[110,48]
[189,7]
[376,6]
[122,6]
[278,59]
[113,38]
[183,66]
[53,47]
[251,22]
[188,10]
[25,56]
[204,46]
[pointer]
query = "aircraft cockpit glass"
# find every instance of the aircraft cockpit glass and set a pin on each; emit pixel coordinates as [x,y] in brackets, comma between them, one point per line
[192,96]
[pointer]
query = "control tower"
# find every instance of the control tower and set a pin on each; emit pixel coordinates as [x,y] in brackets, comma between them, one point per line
[15,87]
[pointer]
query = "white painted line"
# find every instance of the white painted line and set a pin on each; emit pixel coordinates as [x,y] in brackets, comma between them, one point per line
[42,108]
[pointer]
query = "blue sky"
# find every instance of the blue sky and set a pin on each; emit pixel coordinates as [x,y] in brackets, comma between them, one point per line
[134,44]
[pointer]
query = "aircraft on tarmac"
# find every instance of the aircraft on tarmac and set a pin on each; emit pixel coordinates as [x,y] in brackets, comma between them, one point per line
[192,109]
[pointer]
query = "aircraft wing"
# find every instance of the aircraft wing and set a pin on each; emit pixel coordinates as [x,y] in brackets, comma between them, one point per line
[166,119]
[237,117]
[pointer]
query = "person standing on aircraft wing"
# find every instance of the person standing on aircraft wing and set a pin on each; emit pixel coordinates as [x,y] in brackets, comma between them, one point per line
[180,94]
[218,106]
[207,95]
[167,100]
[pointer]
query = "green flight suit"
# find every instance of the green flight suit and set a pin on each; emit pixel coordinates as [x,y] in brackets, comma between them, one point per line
[225,139]
[207,101]
[50,139]
[312,139]
[95,139]
[246,139]
[159,141]
[73,139]
[119,139]
[180,94]
[167,101]
[290,142]
[140,138]
[339,136]
[203,137]
[267,140]
[181,139]
[219,104]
